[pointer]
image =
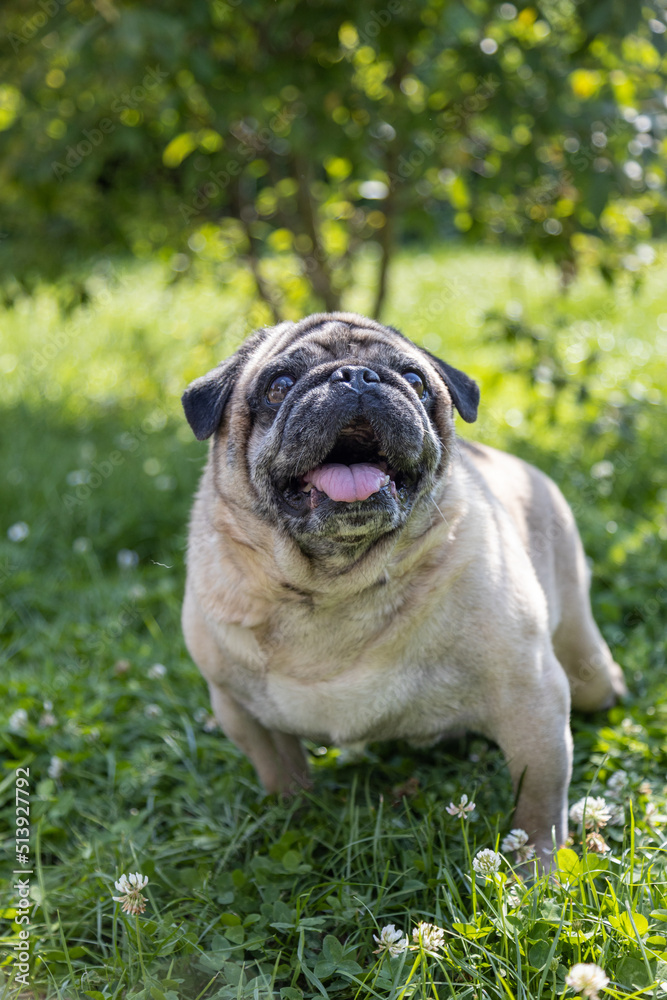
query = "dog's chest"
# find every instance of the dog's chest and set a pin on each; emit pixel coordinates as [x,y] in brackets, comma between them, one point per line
[396,700]
[357,672]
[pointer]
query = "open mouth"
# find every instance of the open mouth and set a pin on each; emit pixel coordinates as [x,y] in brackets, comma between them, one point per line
[356,470]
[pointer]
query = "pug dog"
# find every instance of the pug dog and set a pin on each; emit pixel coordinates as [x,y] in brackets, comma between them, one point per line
[357,572]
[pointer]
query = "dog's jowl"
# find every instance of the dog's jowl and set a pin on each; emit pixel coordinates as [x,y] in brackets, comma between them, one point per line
[357,572]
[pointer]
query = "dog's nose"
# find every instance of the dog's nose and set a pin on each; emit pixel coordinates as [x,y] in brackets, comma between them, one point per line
[356,376]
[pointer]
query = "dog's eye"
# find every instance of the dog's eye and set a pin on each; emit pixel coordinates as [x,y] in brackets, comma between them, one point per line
[279,389]
[416,382]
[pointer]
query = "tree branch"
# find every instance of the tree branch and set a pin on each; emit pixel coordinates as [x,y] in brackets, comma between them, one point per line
[263,289]
[386,236]
[320,273]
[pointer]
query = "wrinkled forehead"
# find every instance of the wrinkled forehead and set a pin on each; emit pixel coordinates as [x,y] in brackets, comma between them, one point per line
[348,337]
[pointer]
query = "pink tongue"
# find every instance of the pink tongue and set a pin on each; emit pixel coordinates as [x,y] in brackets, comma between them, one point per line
[347,482]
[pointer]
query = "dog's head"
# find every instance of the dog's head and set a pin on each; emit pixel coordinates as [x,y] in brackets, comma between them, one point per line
[334,428]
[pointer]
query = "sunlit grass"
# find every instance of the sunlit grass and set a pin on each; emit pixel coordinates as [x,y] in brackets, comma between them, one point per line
[253,898]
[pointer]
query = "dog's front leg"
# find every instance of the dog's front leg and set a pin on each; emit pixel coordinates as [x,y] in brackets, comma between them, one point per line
[532,726]
[278,758]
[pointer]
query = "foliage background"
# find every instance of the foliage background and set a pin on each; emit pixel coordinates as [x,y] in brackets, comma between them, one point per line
[292,137]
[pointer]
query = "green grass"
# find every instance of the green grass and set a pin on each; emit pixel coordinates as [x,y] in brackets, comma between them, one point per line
[249,897]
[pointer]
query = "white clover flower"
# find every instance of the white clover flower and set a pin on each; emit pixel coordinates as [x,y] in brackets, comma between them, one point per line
[514,840]
[18,720]
[617,783]
[127,559]
[56,768]
[513,898]
[486,862]
[207,721]
[596,844]
[517,840]
[430,936]
[392,941]
[18,532]
[587,978]
[616,813]
[462,809]
[152,711]
[157,671]
[653,816]
[130,888]
[591,811]
[47,719]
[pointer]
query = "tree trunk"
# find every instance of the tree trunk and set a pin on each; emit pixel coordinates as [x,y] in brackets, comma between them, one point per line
[386,237]
[264,291]
[319,272]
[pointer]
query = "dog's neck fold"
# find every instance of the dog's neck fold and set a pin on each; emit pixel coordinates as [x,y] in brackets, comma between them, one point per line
[254,585]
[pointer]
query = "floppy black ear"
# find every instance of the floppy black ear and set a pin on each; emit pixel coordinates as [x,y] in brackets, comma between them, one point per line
[463,390]
[205,399]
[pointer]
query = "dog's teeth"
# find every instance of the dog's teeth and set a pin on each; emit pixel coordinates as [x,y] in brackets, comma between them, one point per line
[382,454]
[386,480]
[307,488]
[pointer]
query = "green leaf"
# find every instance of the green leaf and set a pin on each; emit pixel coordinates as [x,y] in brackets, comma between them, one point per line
[471,931]
[291,860]
[311,923]
[595,863]
[538,955]
[569,865]
[324,968]
[290,993]
[411,885]
[234,974]
[632,973]
[235,934]
[332,949]
[624,924]
[177,150]
[214,961]
[551,911]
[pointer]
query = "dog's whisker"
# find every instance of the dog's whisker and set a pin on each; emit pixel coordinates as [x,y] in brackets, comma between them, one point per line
[439,511]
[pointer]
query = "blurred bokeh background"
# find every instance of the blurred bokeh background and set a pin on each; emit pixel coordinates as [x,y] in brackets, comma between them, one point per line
[292,142]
